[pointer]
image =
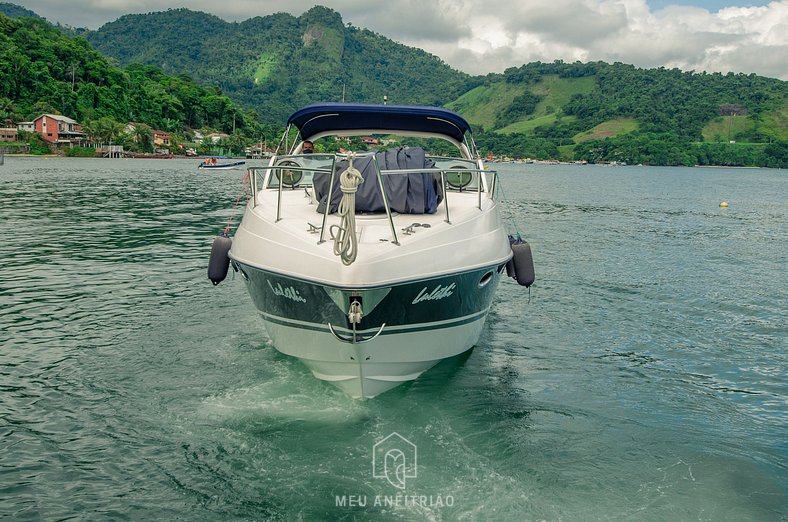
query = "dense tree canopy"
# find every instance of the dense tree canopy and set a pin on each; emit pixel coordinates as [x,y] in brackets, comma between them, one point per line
[278,63]
[43,70]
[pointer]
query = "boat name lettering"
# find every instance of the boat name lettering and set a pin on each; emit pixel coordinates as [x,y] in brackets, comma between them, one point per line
[440,292]
[288,293]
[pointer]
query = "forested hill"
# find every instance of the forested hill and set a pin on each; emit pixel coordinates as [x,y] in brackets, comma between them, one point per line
[278,63]
[616,112]
[594,111]
[42,70]
[16,11]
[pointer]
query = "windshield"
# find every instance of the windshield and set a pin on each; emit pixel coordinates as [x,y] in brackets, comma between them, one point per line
[299,169]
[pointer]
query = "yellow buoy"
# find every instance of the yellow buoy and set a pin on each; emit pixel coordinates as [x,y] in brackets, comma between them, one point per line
[724,204]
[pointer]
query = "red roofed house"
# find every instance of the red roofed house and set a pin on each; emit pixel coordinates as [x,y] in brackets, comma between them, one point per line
[58,129]
[161,138]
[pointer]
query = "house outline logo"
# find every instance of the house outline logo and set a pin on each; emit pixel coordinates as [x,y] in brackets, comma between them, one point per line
[394,458]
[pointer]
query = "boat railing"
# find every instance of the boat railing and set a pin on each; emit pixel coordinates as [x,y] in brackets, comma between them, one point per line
[465,179]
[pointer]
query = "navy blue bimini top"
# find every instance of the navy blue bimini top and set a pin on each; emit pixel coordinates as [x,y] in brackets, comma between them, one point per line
[319,117]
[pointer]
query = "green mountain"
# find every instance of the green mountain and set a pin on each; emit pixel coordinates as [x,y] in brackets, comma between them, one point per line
[16,11]
[42,70]
[616,112]
[277,63]
[595,111]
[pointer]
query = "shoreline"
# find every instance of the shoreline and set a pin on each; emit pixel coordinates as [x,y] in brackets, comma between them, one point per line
[15,155]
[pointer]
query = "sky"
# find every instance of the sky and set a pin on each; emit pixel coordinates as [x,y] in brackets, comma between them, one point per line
[483,36]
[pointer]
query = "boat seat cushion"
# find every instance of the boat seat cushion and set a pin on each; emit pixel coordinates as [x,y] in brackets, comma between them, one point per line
[417,193]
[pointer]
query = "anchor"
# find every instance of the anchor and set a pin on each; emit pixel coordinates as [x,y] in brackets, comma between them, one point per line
[354,316]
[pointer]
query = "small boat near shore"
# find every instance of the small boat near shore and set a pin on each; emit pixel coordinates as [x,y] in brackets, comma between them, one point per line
[133,155]
[208,165]
[372,266]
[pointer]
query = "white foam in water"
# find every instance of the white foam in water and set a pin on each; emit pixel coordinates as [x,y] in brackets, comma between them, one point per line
[286,396]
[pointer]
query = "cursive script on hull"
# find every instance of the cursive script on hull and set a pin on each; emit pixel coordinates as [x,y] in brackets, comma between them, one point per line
[440,292]
[288,293]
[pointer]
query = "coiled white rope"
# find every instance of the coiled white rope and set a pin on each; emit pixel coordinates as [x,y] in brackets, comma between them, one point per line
[344,234]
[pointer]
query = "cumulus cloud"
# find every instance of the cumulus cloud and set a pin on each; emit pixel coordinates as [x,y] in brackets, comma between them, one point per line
[412,20]
[481,36]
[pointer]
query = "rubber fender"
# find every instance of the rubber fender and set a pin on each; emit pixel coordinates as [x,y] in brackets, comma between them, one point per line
[510,268]
[220,259]
[513,240]
[523,264]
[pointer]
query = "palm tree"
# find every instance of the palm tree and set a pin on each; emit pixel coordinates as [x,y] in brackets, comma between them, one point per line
[6,108]
[170,125]
[143,136]
[103,130]
[90,130]
[110,129]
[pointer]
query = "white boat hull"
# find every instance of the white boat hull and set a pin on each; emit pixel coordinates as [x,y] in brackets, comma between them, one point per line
[406,328]
[369,369]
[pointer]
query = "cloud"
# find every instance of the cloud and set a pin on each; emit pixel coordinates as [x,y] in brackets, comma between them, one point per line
[572,22]
[740,39]
[481,36]
[415,20]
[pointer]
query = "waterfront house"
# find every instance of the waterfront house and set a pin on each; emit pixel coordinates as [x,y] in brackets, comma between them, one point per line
[162,138]
[27,126]
[8,134]
[58,129]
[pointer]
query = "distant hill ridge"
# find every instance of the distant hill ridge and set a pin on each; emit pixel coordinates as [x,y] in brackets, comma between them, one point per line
[279,62]
[16,11]
[597,111]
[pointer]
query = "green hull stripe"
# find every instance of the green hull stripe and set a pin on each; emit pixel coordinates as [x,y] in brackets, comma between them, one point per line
[422,327]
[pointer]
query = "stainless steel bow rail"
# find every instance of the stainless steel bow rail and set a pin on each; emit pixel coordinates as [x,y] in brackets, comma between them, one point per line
[485,182]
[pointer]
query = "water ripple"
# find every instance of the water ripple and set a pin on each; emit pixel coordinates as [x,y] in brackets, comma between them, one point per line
[644,375]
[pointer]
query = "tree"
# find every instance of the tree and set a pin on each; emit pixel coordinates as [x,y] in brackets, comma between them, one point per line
[142,135]
[104,131]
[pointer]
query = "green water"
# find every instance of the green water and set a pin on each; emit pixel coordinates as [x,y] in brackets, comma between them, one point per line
[645,379]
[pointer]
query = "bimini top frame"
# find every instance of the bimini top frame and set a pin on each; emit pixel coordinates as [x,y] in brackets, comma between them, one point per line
[321,119]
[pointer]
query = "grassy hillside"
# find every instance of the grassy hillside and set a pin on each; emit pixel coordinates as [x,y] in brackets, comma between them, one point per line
[486,103]
[604,112]
[725,128]
[481,104]
[770,126]
[264,67]
[607,129]
[557,91]
[529,125]
[775,123]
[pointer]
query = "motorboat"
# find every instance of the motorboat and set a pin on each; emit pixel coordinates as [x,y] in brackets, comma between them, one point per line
[212,164]
[372,266]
